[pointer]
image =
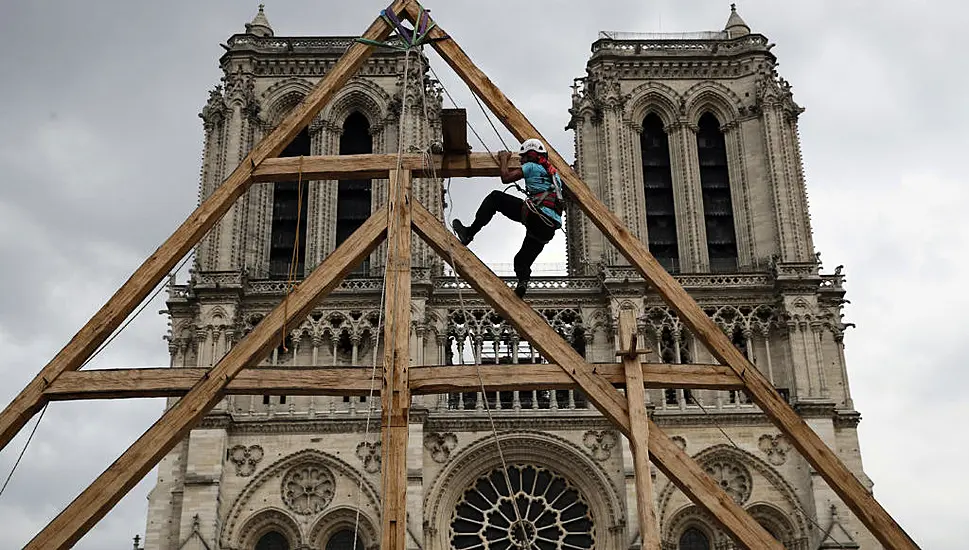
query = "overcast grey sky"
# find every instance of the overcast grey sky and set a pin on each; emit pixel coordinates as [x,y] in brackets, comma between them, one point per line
[100,151]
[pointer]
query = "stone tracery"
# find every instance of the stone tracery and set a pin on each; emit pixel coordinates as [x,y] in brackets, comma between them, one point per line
[554,514]
[308,488]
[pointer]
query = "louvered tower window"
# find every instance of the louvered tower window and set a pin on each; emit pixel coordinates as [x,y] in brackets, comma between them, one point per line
[272,541]
[354,196]
[717,207]
[344,539]
[693,539]
[287,209]
[658,182]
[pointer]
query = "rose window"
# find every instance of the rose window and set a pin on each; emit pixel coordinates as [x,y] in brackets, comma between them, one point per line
[308,489]
[551,514]
[732,478]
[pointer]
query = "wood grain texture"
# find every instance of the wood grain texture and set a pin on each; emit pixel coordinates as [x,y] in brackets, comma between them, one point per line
[682,469]
[336,167]
[71,524]
[810,445]
[187,235]
[394,388]
[639,432]
[327,380]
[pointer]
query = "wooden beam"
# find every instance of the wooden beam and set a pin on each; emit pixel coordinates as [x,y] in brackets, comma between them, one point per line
[681,469]
[810,445]
[71,524]
[395,391]
[161,262]
[454,131]
[176,382]
[525,377]
[377,166]
[638,431]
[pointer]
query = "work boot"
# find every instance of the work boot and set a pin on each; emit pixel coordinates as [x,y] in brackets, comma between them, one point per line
[463,233]
[521,289]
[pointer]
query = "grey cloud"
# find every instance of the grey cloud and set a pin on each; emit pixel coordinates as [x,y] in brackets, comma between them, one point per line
[100,147]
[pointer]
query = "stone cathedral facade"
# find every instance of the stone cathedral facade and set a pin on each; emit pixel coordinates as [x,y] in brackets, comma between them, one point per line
[691,139]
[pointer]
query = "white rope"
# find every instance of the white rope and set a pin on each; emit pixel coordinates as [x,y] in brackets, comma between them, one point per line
[477,356]
[383,294]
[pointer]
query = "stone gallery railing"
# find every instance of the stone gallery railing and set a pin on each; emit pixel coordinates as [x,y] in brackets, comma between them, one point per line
[691,45]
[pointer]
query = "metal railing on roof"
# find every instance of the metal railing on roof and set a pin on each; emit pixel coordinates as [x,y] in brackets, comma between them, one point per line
[698,35]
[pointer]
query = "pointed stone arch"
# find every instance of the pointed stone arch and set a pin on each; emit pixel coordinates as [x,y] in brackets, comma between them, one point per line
[691,517]
[280,98]
[363,96]
[238,516]
[667,510]
[776,522]
[653,97]
[345,517]
[266,520]
[713,97]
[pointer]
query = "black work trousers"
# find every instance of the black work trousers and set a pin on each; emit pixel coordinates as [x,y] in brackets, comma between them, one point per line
[538,232]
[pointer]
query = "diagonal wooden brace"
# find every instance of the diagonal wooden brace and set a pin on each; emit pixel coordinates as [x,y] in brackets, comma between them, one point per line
[680,468]
[150,273]
[88,508]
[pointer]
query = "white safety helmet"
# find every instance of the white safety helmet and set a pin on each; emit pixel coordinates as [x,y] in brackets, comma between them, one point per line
[532,145]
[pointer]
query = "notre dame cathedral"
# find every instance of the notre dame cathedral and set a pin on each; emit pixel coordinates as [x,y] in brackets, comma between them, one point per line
[691,139]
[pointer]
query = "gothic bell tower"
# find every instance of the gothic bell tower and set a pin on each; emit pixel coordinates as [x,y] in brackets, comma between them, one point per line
[691,138]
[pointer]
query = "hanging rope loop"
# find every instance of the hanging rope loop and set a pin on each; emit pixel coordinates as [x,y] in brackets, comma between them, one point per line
[409,38]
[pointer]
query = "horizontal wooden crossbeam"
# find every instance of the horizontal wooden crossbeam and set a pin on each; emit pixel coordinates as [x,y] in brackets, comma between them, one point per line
[175,382]
[347,167]
[670,459]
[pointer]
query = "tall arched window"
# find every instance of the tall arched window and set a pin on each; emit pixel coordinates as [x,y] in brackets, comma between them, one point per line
[288,207]
[272,541]
[693,539]
[715,183]
[658,183]
[354,196]
[343,540]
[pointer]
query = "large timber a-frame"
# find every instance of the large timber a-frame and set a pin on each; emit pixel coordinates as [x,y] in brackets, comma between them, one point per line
[201,389]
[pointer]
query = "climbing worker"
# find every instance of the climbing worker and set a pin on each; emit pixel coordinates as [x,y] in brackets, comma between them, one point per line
[540,212]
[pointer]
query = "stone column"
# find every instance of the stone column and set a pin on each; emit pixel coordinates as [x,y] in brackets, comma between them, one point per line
[230,233]
[584,246]
[800,370]
[788,207]
[817,333]
[740,195]
[688,197]
[839,342]
[214,116]
[316,211]
[203,477]
[795,164]
[616,193]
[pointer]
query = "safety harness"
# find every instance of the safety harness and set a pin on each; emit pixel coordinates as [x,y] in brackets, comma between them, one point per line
[551,198]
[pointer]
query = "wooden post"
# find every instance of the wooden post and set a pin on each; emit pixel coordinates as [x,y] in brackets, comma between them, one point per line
[395,391]
[810,445]
[681,469]
[82,514]
[638,430]
[160,263]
